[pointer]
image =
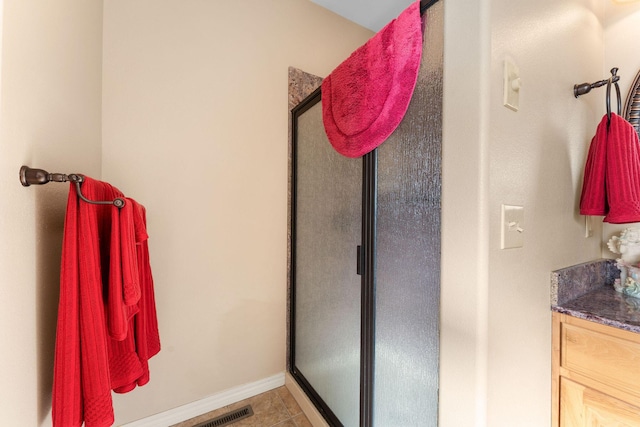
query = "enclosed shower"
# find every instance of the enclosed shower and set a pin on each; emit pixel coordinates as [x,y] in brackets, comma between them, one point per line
[365,261]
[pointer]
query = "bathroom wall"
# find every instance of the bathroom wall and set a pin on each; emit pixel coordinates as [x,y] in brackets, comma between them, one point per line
[195,128]
[622,27]
[464,187]
[50,92]
[496,321]
[536,158]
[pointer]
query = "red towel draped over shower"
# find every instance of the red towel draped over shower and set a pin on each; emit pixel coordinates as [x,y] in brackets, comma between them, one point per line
[107,326]
[365,97]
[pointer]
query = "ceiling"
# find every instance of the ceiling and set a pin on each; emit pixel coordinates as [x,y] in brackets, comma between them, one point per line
[371,14]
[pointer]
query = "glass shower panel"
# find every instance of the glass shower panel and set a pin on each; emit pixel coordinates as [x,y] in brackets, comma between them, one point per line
[408,251]
[326,285]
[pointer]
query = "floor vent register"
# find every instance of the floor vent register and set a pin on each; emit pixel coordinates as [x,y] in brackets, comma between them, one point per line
[228,418]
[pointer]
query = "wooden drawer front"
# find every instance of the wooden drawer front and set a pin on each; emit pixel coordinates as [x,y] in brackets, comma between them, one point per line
[606,359]
[585,407]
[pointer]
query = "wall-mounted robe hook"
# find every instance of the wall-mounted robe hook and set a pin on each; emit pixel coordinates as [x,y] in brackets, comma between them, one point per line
[608,98]
[584,88]
[32,176]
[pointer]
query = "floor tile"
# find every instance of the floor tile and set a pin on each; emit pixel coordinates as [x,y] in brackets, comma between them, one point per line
[301,421]
[268,410]
[289,401]
[275,408]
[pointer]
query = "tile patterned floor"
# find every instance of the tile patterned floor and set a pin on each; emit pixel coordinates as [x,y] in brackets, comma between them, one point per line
[275,408]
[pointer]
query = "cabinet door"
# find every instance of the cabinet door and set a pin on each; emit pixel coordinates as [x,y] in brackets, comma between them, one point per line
[605,356]
[582,406]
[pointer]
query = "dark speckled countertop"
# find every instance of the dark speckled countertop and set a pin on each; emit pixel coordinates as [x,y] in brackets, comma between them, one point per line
[586,291]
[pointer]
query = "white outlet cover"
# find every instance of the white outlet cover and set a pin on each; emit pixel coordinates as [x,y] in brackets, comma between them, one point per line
[512,235]
[511,90]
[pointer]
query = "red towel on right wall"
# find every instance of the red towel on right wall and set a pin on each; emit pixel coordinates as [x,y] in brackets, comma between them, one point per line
[611,185]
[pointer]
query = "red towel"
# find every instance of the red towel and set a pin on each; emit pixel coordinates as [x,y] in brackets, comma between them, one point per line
[124,289]
[142,341]
[611,183]
[623,172]
[102,303]
[593,200]
[365,98]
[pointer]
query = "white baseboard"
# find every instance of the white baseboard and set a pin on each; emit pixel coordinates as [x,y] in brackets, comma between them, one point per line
[219,400]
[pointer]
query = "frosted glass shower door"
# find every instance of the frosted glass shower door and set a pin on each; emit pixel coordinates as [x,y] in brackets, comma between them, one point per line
[408,251]
[327,205]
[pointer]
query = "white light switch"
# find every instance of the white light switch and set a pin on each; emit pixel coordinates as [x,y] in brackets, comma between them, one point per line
[512,83]
[512,227]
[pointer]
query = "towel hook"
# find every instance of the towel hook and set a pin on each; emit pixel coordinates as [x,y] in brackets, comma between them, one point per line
[584,88]
[30,176]
[613,80]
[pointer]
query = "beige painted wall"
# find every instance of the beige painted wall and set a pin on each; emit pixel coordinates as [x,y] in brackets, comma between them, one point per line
[496,336]
[50,101]
[536,160]
[195,128]
[463,302]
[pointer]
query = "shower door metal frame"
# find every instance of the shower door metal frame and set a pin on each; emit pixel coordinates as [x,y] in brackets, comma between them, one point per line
[366,257]
[364,263]
[368,292]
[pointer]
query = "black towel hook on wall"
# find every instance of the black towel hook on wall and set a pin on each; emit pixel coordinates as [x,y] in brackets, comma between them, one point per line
[30,176]
[584,88]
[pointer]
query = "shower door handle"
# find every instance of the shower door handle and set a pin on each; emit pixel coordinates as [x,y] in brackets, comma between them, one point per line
[359,260]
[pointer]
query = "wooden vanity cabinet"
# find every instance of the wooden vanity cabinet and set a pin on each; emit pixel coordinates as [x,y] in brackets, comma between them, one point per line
[595,374]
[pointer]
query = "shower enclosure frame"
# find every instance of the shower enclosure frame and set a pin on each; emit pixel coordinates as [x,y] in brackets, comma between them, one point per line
[370,249]
[364,263]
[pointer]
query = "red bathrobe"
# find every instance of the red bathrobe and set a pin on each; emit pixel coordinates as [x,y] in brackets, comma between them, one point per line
[107,327]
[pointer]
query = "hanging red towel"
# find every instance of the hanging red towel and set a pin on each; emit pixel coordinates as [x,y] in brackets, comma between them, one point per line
[365,98]
[143,340]
[123,289]
[105,274]
[593,200]
[623,172]
[611,184]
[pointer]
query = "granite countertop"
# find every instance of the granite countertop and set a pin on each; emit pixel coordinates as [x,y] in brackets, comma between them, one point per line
[586,291]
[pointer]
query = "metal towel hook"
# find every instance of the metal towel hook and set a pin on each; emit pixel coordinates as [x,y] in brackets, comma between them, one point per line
[30,176]
[613,79]
[584,88]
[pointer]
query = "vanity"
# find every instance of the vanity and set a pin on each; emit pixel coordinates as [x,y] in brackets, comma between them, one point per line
[595,350]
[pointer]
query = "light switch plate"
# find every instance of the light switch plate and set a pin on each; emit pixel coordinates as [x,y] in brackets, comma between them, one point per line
[512,227]
[511,92]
